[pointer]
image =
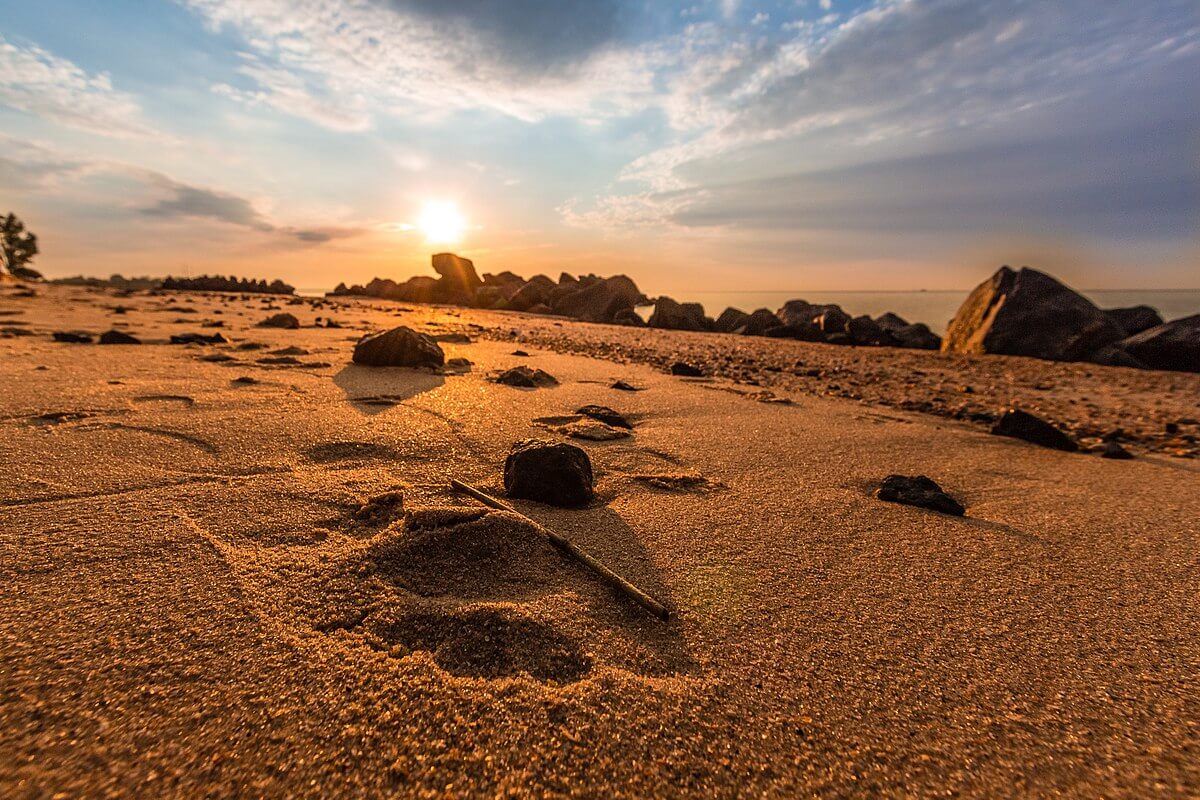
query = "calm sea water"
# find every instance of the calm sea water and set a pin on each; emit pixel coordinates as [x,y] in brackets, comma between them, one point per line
[935,309]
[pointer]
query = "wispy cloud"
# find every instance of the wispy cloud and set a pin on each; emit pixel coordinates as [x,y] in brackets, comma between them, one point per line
[38,82]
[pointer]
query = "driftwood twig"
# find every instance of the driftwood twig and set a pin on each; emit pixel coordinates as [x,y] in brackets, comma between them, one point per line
[570,548]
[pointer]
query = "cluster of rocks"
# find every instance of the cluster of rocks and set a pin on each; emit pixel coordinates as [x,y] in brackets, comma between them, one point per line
[219,283]
[1028,313]
[589,298]
[798,319]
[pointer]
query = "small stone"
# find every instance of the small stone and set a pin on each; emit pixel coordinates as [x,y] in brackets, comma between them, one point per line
[519,353]
[526,378]
[283,320]
[217,358]
[1021,425]
[399,347]
[72,337]
[604,414]
[198,338]
[118,337]
[244,380]
[918,490]
[554,473]
[686,370]
[1116,451]
[622,386]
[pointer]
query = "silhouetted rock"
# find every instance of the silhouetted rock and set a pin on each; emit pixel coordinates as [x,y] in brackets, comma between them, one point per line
[916,337]
[535,292]
[802,313]
[526,378]
[629,317]
[804,332]
[72,337]
[418,289]
[604,414]
[864,330]
[596,301]
[118,337]
[1021,425]
[458,280]
[1114,356]
[731,319]
[686,370]
[674,316]
[215,283]
[198,338]
[548,472]
[1116,451]
[1134,319]
[622,386]
[399,347]
[283,320]
[1028,313]
[758,323]
[891,322]
[918,490]
[832,321]
[1173,345]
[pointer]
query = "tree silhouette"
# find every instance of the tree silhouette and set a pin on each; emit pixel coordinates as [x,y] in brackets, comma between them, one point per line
[17,247]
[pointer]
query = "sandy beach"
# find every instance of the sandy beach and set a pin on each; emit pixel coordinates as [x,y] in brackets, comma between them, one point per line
[197,603]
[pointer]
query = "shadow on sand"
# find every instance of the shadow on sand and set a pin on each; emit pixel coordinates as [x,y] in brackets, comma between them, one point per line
[374,389]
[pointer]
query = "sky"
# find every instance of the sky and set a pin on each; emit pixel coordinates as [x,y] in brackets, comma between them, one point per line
[721,145]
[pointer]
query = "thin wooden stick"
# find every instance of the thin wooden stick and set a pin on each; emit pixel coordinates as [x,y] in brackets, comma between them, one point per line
[570,548]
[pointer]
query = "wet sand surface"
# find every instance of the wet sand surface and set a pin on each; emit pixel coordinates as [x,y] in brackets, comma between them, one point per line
[195,606]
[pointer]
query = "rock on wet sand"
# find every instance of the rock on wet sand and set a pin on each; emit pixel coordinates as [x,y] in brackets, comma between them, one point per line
[1022,425]
[399,347]
[918,490]
[553,473]
[526,378]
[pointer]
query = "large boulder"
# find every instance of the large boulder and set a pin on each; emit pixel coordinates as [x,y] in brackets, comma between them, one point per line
[458,280]
[629,318]
[399,347]
[595,301]
[864,330]
[758,323]
[536,291]
[731,319]
[674,316]
[549,472]
[1029,313]
[803,313]
[833,320]
[1135,319]
[507,282]
[418,289]
[382,287]
[891,321]
[1172,345]
[916,337]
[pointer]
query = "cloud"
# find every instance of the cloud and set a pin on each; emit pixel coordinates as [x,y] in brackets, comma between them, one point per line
[199,203]
[37,82]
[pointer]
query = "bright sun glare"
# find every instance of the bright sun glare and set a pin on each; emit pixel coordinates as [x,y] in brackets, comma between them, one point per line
[441,222]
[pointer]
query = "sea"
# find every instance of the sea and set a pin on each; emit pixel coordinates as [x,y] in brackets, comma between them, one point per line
[934,308]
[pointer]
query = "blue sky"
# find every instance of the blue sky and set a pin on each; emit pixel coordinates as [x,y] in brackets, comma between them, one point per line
[708,145]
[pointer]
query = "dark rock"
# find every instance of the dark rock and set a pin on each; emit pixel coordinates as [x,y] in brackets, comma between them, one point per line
[622,386]
[917,337]
[535,292]
[733,318]
[566,277]
[806,332]
[519,353]
[1021,425]
[526,378]
[838,338]
[833,320]
[458,281]
[1116,451]
[217,358]
[629,318]
[686,370]
[864,330]
[198,338]
[1114,356]
[598,301]
[891,322]
[758,323]
[283,320]
[418,289]
[489,296]
[918,490]
[452,338]
[1173,345]
[1029,313]
[674,316]
[244,380]
[72,337]
[399,347]
[1134,319]
[604,414]
[118,337]
[554,473]
[801,312]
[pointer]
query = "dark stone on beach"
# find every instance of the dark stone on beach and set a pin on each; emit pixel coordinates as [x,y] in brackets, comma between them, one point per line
[731,319]
[673,316]
[458,282]
[1022,425]
[1029,313]
[622,386]
[864,330]
[1174,345]
[833,320]
[526,378]
[629,318]
[686,370]
[244,380]
[399,347]
[549,472]
[217,358]
[519,353]
[452,338]
[596,301]
[72,337]
[758,323]
[604,414]
[1116,451]
[536,291]
[918,490]
[1135,319]
[891,322]
[198,338]
[283,320]
[118,337]
[801,332]
[1114,356]
[916,337]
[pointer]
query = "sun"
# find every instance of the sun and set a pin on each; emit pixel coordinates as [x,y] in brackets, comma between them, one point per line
[441,222]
